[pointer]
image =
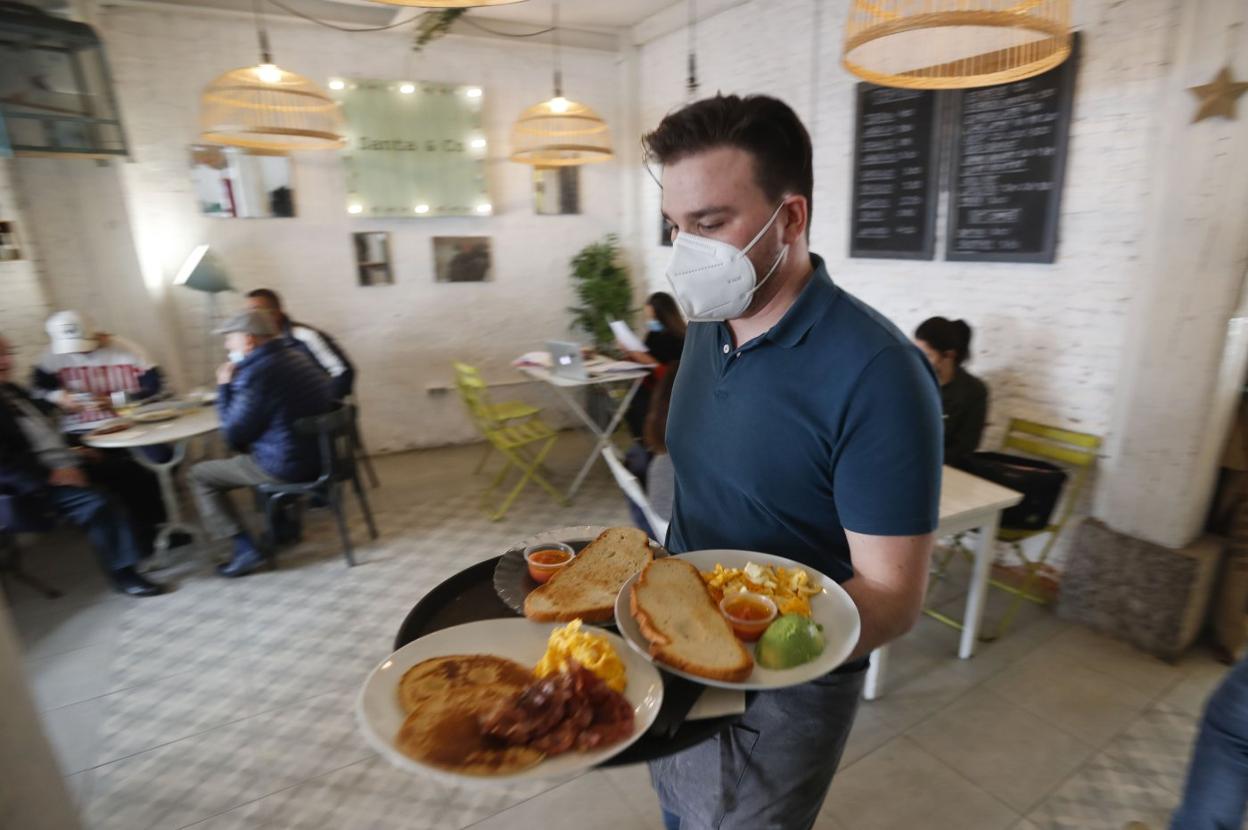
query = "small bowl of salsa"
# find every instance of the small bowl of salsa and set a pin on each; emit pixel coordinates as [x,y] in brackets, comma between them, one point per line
[546,559]
[748,614]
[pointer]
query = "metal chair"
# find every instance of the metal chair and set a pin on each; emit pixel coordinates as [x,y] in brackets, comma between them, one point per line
[485,414]
[337,450]
[361,454]
[19,515]
[1075,452]
[514,443]
[633,490]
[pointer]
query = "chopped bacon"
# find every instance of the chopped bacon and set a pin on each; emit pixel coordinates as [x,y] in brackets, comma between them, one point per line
[569,710]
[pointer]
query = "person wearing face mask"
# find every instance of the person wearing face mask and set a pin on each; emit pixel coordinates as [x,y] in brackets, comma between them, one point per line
[802,424]
[963,397]
[267,385]
[664,341]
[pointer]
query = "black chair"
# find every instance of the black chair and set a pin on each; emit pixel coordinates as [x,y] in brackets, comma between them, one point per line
[22,515]
[334,433]
[361,453]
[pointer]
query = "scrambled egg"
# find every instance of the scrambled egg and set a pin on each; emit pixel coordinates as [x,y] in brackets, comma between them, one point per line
[589,648]
[790,588]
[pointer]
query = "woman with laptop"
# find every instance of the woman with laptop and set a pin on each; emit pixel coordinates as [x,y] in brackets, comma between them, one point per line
[664,341]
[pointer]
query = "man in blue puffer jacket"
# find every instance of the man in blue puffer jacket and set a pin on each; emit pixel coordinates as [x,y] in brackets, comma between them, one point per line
[267,384]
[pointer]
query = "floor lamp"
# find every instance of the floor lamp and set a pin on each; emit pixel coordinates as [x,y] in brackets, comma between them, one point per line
[203,271]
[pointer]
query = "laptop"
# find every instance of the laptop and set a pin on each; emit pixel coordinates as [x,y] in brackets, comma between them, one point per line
[565,360]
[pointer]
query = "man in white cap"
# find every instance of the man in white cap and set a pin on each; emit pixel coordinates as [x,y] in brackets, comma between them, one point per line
[83,367]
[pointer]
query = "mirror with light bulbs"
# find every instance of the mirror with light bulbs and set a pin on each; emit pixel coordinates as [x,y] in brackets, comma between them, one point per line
[234,183]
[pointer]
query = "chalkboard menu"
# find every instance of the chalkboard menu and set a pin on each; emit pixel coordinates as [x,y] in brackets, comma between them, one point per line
[895,164]
[1009,162]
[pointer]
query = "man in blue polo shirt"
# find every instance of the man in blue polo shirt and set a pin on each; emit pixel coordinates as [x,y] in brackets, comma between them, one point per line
[802,424]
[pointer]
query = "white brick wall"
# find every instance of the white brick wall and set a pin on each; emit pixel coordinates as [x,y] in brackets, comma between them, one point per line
[402,337]
[23,308]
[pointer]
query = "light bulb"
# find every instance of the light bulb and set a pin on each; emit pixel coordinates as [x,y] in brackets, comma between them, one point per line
[484,207]
[559,104]
[407,89]
[477,144]
[268,73]
[422,208]
[473,92]
[337,84]
[355,207]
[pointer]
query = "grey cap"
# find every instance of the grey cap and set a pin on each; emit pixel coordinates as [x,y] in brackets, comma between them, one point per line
[256,323]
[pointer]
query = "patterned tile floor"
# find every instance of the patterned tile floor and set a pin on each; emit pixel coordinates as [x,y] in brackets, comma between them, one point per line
[228,705]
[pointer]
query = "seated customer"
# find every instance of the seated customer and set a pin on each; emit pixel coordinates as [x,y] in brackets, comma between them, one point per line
[83,367]
[320,346]
[267,385]
[665,340]
[963,397]
[41,471]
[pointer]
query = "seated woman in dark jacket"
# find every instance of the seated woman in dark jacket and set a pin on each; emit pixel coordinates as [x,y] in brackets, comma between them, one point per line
[665,340]
[963,397]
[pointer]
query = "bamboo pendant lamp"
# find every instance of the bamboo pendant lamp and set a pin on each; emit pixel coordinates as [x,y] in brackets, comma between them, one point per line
[559,132]
[268,109]
[955,44]
[447,4]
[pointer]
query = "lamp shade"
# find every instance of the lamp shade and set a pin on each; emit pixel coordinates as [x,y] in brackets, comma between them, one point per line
[267,108]
[560,133]
[203,271]
[447,4]
[955,44]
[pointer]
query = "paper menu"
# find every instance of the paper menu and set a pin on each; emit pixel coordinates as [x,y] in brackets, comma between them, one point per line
[626,337]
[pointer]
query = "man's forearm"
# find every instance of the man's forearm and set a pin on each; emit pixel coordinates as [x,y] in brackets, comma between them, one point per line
[883,614]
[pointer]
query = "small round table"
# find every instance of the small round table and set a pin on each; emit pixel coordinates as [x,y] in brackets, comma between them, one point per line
[191,422]
[469,596]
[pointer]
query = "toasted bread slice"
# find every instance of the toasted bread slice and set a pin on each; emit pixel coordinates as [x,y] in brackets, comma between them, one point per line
[587,586]
[686,631]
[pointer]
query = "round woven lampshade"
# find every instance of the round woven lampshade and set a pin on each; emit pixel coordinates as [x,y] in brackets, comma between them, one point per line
[560,133]
[269,109]
[955,44]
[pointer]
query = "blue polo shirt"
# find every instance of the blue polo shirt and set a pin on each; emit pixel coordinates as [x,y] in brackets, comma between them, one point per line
[828,422]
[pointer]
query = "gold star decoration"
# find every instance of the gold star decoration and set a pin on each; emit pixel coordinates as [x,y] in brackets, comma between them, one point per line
[1218,97]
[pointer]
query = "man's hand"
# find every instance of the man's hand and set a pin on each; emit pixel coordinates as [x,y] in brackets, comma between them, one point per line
[68,477]
[225,372]
[888,586]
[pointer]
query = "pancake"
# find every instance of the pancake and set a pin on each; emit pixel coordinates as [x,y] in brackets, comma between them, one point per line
[446,733]
[445,678]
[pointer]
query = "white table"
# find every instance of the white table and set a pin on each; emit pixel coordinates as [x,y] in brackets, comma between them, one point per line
[565,387]
[967,502]
[192,422]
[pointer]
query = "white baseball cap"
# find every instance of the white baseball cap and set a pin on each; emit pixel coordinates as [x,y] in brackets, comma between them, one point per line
[71,332]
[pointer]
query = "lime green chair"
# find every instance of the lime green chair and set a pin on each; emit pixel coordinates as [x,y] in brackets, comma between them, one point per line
[1076,453]
[488,414]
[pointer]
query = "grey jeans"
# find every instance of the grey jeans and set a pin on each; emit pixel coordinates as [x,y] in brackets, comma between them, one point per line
[769,771]
[212,481]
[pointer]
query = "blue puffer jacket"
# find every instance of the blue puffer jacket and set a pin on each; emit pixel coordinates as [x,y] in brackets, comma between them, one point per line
[274,386]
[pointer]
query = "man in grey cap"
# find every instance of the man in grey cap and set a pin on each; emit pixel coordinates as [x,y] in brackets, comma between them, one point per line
[265,386]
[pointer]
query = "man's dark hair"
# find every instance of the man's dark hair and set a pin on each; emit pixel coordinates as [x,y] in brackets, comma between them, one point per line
[765,127]
[266,294]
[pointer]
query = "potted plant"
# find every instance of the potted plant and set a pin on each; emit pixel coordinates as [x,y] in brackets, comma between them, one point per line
[603,289]
[605,294]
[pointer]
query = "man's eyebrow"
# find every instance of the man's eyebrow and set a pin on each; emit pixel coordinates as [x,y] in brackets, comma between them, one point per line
[701,212]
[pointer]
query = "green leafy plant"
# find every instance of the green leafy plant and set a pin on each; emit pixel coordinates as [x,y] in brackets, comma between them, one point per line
[433,25]
[603,289]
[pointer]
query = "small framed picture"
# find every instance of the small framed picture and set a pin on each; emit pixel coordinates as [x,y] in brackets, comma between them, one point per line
[463,259]
[372,258]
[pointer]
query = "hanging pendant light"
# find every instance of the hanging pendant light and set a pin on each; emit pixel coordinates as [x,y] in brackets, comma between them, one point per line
[560,132]
[955,44]
[447,4]
[269,109]
[691,81]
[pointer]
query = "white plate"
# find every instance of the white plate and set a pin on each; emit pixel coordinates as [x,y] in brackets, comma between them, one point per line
[379,715]
[833,609]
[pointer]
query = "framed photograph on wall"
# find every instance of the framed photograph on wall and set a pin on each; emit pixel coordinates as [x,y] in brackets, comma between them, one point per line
[234,183]
[372,258]
[463,259]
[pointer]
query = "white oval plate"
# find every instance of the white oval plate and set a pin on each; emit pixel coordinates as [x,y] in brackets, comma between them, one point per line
[379,715]
[833,609]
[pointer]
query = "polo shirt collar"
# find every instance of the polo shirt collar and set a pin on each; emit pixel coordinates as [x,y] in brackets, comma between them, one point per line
[807,310]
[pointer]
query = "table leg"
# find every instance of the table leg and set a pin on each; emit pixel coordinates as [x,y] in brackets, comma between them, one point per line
[873,684]
[985,553]
[603,438]
[174,522]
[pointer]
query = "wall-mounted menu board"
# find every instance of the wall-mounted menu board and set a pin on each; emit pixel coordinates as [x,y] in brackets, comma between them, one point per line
[1009,162]
[895,165]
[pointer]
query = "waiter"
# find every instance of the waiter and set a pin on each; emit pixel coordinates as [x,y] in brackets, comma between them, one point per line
[803,424]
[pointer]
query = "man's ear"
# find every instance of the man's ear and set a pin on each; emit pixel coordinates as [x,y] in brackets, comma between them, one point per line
[795,216]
